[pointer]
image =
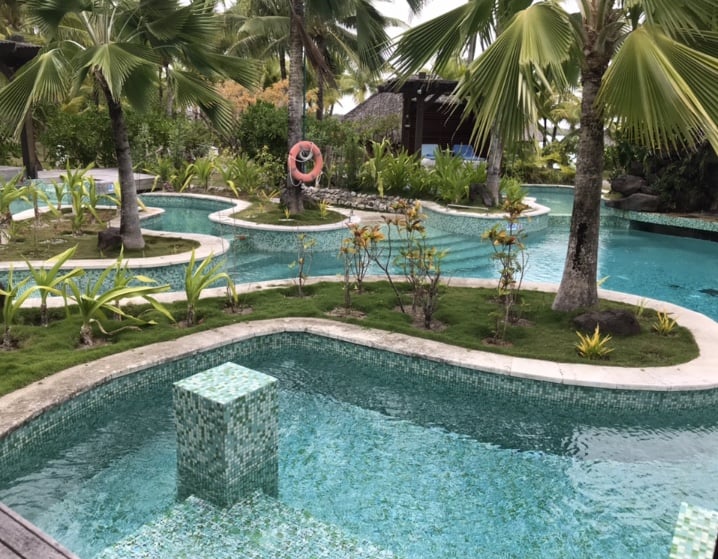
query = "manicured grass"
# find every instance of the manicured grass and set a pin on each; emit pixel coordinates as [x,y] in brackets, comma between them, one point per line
[51,235]
[272,214]
[464,312]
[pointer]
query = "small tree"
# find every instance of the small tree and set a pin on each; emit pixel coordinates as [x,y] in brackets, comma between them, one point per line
[509,253]
[305,244]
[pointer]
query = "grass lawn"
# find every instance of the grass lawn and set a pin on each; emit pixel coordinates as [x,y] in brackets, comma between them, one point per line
[51,235]
[270,213]
[465,315]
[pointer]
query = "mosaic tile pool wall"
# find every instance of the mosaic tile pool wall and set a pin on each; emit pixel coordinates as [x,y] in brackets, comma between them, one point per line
[48,429]
[476,225]
[288,241]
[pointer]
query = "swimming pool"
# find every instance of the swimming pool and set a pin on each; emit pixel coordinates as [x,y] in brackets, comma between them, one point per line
[426,468]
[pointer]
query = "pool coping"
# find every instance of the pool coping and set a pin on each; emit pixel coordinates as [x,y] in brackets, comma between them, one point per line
[19,407]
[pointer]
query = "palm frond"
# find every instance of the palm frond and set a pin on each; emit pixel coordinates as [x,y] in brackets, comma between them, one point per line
[47,15]
[45,78]
[676,16]
[662,92]
[116,62]
[193,90]
[514,69]
[440,37]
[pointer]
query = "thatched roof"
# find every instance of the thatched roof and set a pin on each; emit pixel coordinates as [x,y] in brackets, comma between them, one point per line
[379,105]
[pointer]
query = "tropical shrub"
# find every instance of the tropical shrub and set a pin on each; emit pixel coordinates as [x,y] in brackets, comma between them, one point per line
[593,346]
[262,124]
[13,297]
[50,280]
[664,324]
[200,277]
[94,300]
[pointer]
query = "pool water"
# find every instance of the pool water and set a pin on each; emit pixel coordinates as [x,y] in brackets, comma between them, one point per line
[679,270]
[426,469]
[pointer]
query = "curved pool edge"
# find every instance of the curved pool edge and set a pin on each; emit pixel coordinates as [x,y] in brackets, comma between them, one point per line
[21,406]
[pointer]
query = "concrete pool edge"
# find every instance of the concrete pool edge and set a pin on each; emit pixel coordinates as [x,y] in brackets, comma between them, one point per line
[21,406]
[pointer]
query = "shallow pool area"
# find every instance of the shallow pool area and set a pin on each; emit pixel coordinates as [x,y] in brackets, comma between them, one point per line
[420,465]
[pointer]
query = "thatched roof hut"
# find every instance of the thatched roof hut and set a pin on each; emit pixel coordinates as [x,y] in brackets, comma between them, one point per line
[427,112]
[381,111]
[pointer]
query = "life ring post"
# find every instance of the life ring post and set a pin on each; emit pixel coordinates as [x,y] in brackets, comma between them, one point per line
[303,152]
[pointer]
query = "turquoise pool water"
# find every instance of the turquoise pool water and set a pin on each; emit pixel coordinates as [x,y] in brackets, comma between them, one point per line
[426,469]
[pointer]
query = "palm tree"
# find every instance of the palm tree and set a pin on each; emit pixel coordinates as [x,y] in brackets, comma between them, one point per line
[649,65]
[120,46]
[449,36]
[366,52]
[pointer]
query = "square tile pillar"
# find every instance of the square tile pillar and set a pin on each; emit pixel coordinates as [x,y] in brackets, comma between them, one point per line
[227,434]
[696,534]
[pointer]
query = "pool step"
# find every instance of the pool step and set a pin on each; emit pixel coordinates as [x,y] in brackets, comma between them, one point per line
[258,528]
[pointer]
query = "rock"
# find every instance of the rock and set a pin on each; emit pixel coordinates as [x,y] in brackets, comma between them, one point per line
[628,184]
[614,322]
[636,202]
[110,238]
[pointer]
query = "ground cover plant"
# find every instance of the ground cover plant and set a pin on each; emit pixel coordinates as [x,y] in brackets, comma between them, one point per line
[464,315]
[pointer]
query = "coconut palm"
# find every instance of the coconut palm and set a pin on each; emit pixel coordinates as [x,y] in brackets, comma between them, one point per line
[649,65]
[120,46]
[371,39]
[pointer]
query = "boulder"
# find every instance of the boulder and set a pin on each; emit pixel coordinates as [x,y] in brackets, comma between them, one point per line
[636,202]
[628,184]
[614,322]
[109,238]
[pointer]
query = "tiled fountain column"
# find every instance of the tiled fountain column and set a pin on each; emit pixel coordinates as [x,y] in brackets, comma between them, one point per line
[227,434]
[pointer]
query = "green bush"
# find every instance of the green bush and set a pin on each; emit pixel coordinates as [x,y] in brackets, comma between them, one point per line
[81,138]
[10,150]
[451,177]
[404,176]
[77,139]
[262,124]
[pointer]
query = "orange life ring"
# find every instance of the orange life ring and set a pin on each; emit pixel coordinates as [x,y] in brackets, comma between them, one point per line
[305,151]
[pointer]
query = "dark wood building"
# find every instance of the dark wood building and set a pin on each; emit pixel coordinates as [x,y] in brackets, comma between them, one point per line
[430,113]
[13,54]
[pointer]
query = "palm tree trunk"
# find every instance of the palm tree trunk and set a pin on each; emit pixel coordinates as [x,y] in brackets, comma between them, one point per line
[292,194]
[129,210]
[282,65]
[493,166]
[578,288]
[320,100]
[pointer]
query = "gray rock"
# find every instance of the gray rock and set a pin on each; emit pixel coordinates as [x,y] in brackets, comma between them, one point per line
[636,202]
[109,238]
[628,184]
[614,322]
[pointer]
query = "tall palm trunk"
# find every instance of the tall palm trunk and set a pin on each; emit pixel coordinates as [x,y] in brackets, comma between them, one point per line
[493,166]
[129,210]
[292,194]
[578,288]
